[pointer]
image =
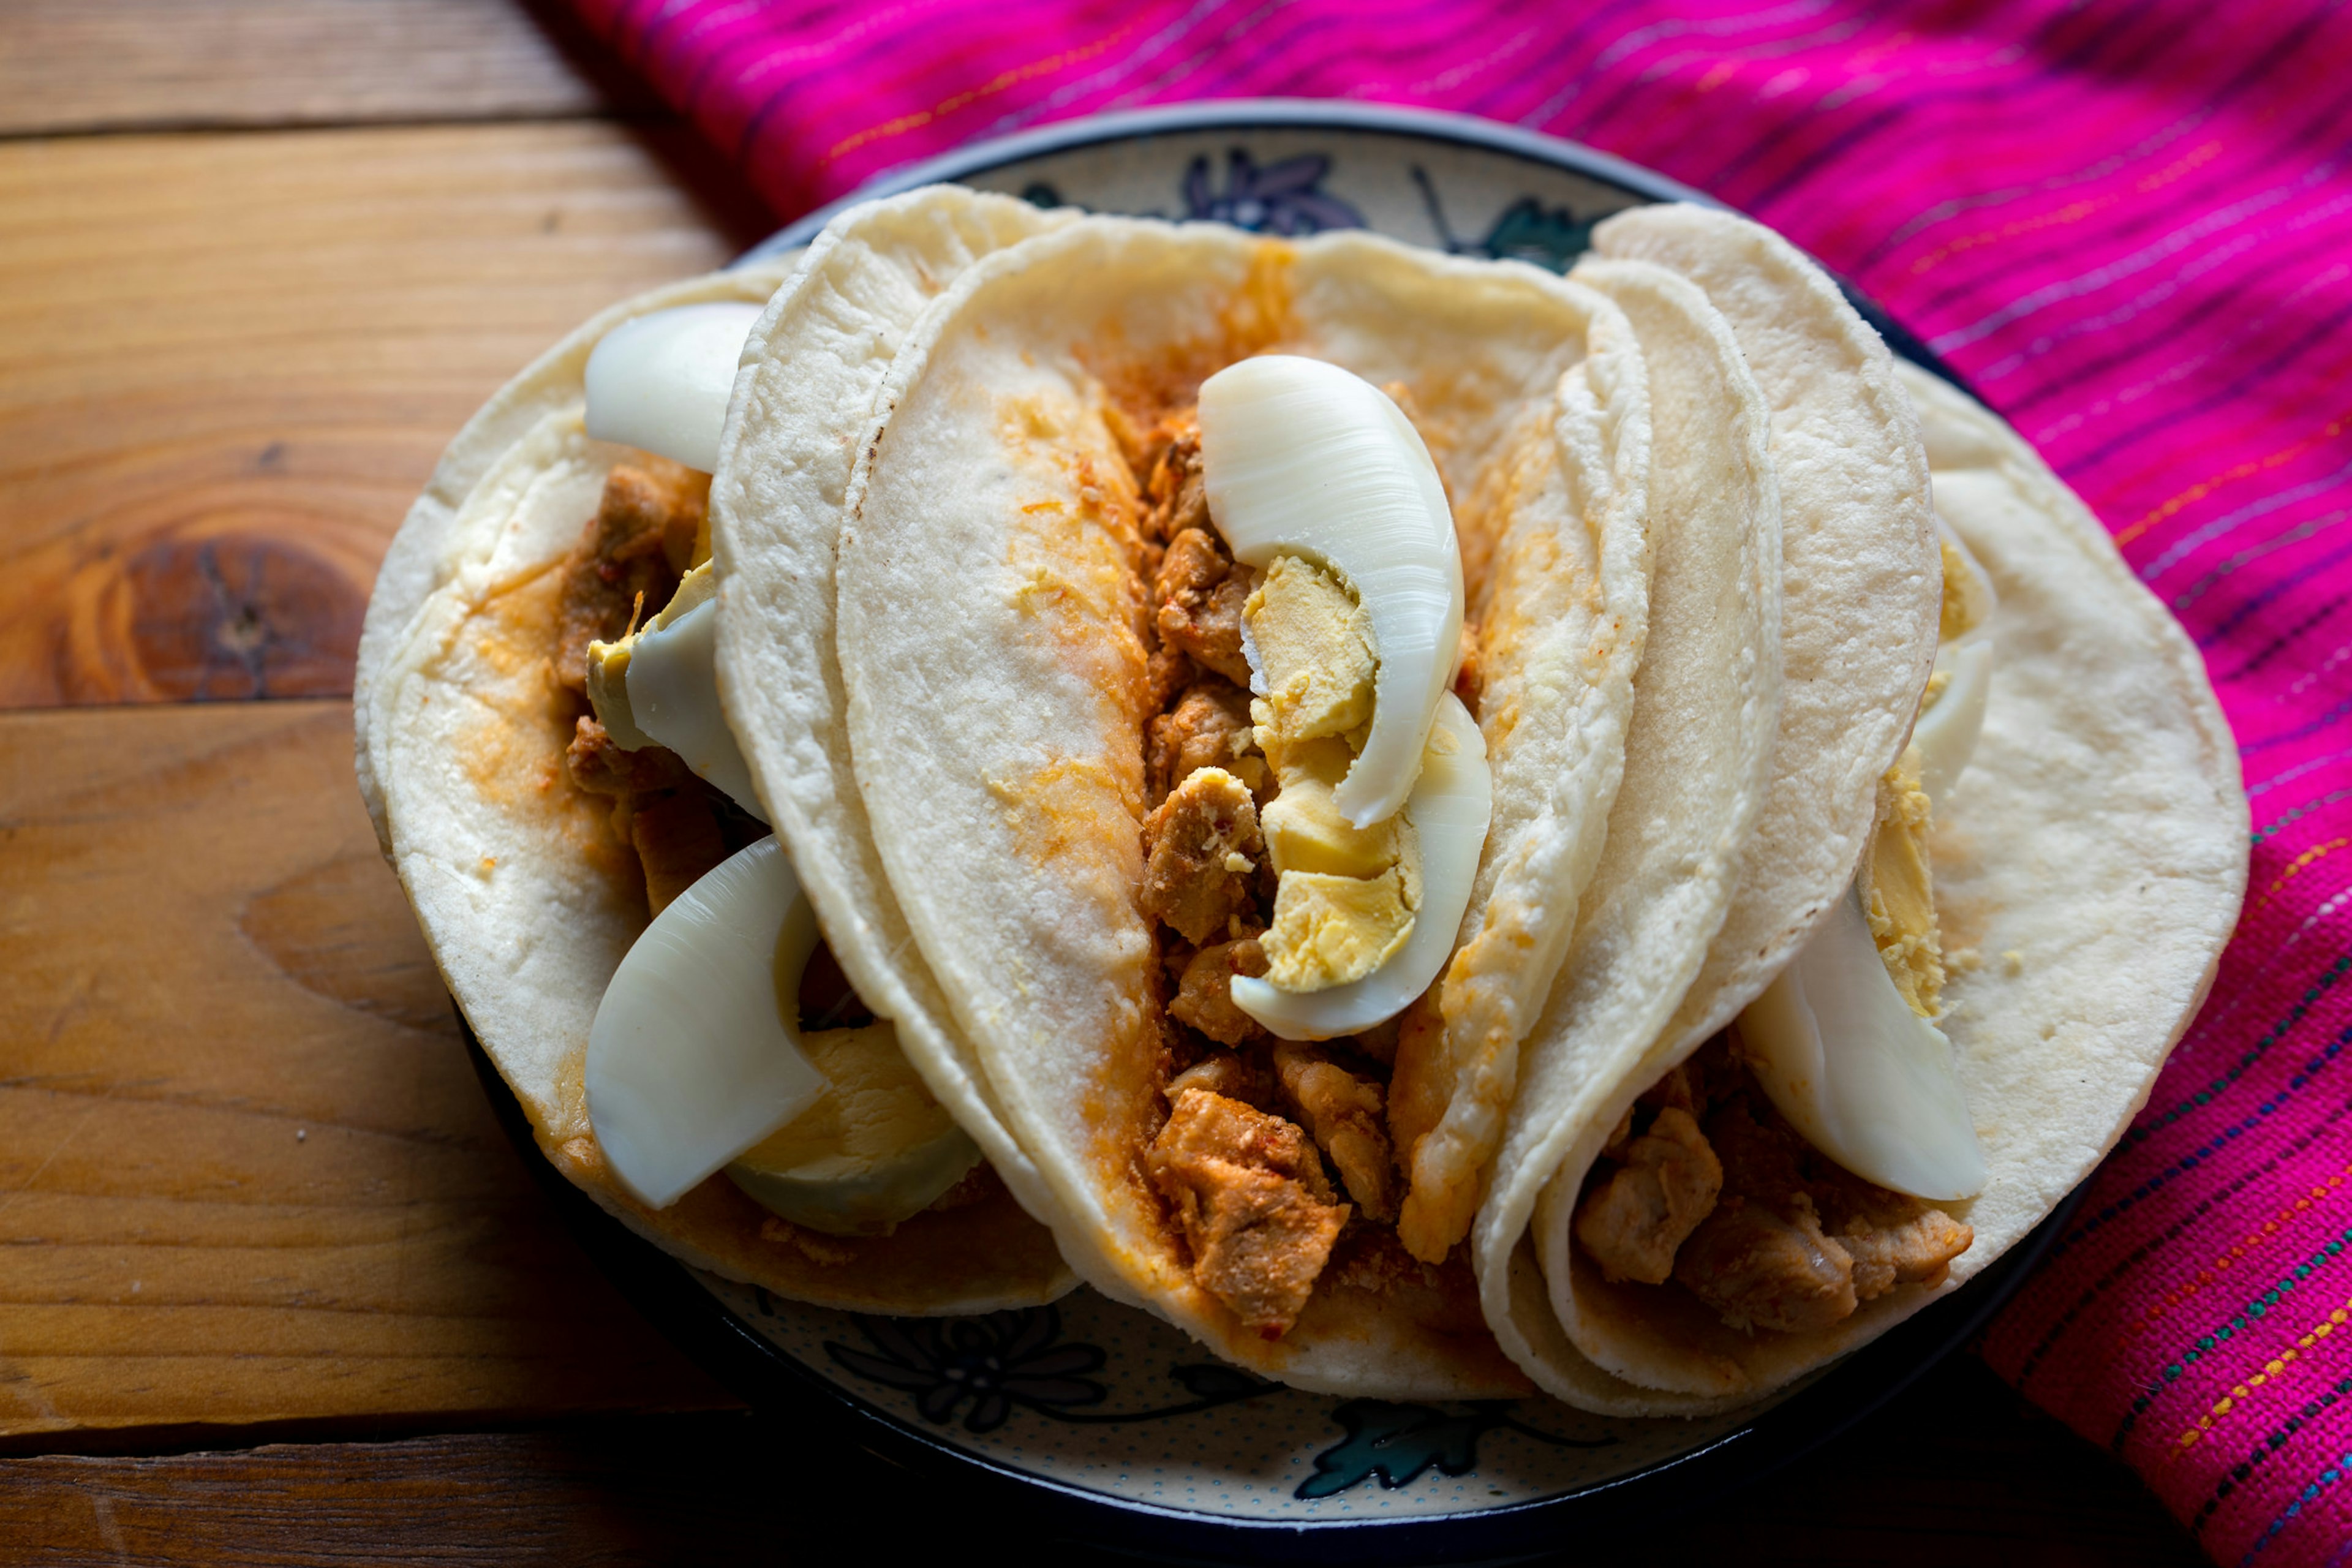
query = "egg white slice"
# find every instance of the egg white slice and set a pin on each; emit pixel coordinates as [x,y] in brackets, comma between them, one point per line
[660,382]
[1300,457]
[1451,804]
[1948,727]
[693,1057]
[1867,1081]
[673,694]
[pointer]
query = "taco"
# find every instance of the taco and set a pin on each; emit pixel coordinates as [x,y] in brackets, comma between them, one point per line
[1169,561]
[608,907]
[2002,843]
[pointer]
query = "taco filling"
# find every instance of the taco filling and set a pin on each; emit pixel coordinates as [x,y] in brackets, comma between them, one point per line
[1787,1172]
[854,1145]
[1283,925]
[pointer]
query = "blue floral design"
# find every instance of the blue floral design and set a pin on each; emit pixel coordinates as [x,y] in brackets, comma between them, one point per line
[996,1362]
[1285,199]
[1397,1442]
[1526,230]
[1011,1358]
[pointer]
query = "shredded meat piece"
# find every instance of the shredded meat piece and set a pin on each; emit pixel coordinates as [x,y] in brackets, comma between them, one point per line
[1761,1259]
[1204,996]
[1236,1075]
[1200,594]
[1200,847]
[600,767]
[1794,1241]
[1167,672]
[1762,1271]
[975,1185]
[1208,728]
[1347,1115]
[1665,1184]
[1919,1251]
[1172,462]
[679,837]
[1896,1239]
[639,541]
[1249,1191]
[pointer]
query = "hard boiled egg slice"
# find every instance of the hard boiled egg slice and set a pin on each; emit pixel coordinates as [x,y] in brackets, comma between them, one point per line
[1867,1081]
[659,686]
[1953,716]
[1451,801]
[692,1059]
[660,382]
[1300,457]
[874,1151]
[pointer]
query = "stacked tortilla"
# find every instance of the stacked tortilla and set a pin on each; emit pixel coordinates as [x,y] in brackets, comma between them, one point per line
[1703,584]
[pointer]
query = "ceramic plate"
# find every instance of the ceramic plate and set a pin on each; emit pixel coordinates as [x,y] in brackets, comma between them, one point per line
[1110,1423]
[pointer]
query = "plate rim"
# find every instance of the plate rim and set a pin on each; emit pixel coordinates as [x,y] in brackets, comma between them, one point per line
[732,1350]
[717,1338]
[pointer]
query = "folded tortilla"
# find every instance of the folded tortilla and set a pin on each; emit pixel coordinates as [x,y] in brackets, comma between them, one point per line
[987,601]
[2089,866]
[528,896]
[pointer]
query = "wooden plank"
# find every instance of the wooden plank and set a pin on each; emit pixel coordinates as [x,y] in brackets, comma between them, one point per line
[228,363]
[91,65]
[1951,1474]
[246,1172]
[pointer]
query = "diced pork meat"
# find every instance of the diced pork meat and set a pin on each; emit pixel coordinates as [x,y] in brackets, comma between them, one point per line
[1347,1113]
[1792,1241]
[639,543]
[1665,1184]
[1209,727]
[1202,848]
[1166,674]
[600,767]
[1199,595]
[1919,1251]
[1759,1270]
[1204,995]
[1172,463]
[1236,1075]
[1248,1192]
[679,837]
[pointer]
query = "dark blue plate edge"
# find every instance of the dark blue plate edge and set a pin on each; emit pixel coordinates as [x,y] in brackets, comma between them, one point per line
[735,1353]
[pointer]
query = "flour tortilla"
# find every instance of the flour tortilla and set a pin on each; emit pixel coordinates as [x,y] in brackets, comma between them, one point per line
[801,414]
[1556,548]
[2089,866]
[1861,574]
[993,672]
[1707,706]
[527,896]
[420,560]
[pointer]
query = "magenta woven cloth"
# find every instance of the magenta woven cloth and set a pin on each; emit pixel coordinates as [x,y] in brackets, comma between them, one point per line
[2130,224]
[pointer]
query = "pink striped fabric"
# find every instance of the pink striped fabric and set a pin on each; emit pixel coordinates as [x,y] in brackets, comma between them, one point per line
[2129,222]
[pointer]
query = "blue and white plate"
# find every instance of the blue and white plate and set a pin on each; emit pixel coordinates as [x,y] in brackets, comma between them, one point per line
[1103,1419]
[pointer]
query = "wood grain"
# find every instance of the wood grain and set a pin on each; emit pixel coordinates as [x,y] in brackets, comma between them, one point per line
[1953,1474]
[112,65]
[246,1172]
[228,363]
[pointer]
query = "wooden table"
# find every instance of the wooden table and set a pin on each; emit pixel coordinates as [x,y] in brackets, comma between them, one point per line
[275,1289]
